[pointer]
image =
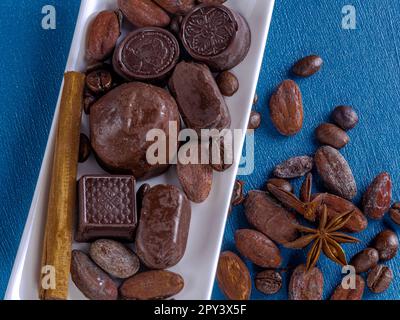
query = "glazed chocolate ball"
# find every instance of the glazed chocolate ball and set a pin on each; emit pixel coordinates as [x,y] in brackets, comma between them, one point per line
[228,83]
[119,123]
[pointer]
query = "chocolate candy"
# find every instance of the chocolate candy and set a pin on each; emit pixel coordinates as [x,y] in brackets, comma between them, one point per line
[119,123]
[146,54]
[164,226]
[107,208]
[199,100]
[216,35]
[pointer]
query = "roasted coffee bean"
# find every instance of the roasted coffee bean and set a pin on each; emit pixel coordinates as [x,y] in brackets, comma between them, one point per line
[280,183]
[306,285]
[114,258]
[233,277]
[286,108]
[331,135]
[294,167]
[255,99]
[140,196]
[221,160]
[337,205]
[307,66]
[227,83]
[266,215]
[237,195]
[387,244]
[254,121]
[195,178]
[144,13]
[350,294]
[175,25]
[335,172]
[84,148]
[258,248]
[268,281]
[88,100]
[345,117]
[395,213]
[152,285]
[93,282]
[379,278]
[102,36]
[180,7]
[365,260]
[377,198]
[99,81]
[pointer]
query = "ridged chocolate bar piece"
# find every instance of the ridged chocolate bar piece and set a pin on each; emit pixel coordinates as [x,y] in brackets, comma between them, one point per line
[107,208]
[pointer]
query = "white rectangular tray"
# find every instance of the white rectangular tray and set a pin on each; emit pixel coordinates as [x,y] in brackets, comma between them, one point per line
[199,264]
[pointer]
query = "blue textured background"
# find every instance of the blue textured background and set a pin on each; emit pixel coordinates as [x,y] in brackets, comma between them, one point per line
[361,69]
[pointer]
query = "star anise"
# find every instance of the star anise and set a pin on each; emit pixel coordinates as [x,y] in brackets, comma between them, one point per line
[325,238]
[307,209]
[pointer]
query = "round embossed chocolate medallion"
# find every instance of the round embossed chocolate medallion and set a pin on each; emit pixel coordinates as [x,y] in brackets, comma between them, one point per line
[209,30]
[146,54]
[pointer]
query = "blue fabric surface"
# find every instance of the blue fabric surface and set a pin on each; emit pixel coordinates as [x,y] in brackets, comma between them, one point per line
[361,69]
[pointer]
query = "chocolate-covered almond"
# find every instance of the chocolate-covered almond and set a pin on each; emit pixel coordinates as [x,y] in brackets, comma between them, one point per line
[146,54]
[269,217]
[164,227]
[365,260]
[144,13]
[258,248]
[216,36]
[93,282]
[307,66]
[152,285]
[120,121]
[199,99]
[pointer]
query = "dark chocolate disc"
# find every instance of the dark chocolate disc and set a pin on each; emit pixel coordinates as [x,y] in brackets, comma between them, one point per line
[209,30]
[146,54]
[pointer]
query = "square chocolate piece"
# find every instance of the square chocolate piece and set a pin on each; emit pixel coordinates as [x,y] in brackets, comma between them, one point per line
[107,208]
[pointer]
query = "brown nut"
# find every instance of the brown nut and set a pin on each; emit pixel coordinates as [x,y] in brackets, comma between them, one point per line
[331,135]
[342,293]
[306,285]
[258,248]
[152,285]
[233,277]
[379,278]
[180,7]
[395,213]
[255,120]
[144,13]
[307,66]
[387,244]
[286,108]
[377,198]
[102,37]
[93,282]
[294,167]
[114,258]
[280,183]
[335,172]
[345,117]
[227,83]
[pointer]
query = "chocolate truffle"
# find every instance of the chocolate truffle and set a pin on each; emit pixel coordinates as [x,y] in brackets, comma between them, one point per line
[107,208]
[216,35]
[199,99]
[164,227]
[146,54]
[120,121]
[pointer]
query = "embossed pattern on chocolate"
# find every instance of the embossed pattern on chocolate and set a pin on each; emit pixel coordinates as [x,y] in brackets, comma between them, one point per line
[209,30]
[106,208]
[146,54]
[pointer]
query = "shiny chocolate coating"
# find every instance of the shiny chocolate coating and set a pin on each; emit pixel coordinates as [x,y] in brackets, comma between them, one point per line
[164,227]
[146,54]
[119,122]
[199,99]
[107,208]
[216,35]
